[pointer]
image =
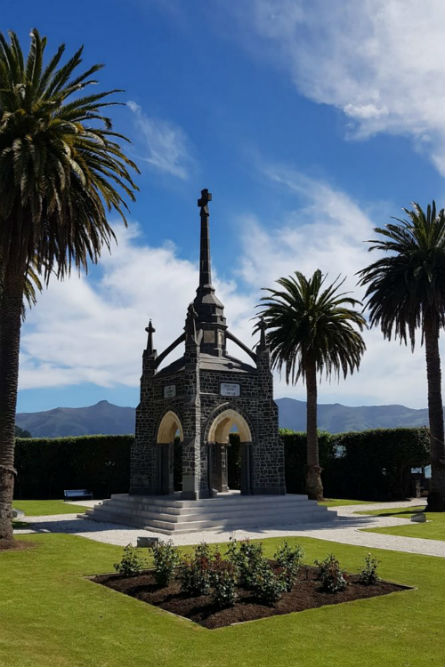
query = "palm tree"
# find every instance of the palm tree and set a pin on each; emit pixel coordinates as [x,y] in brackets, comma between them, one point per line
[311,330]
[406,292]
[61,170]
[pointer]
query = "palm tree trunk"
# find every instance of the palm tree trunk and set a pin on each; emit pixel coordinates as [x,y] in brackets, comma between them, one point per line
[11,299]
[314,486]
[436,496]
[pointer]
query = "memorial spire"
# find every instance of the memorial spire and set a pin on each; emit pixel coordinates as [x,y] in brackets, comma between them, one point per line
[209,309]
[205,271]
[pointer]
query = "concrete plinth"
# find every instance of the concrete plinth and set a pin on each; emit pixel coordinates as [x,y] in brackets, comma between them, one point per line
[229,511]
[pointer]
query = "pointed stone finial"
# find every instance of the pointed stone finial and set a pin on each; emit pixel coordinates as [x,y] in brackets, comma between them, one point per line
[190,322]
[262,326]
[150,330]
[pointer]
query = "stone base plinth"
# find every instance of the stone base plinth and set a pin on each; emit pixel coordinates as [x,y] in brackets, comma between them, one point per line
[226,511]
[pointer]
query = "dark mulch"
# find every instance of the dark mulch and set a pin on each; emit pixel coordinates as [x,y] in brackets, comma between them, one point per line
[306,594]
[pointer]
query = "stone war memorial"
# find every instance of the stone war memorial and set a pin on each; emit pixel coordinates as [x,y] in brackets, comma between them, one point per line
[200,399]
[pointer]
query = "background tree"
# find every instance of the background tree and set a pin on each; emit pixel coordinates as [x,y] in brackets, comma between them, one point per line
[311,330]
[61,170]
[405,293]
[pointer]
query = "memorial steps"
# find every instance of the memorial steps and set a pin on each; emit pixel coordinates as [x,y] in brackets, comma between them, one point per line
[226,511]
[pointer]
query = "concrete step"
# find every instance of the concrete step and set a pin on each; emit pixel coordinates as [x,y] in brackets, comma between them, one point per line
[209,514]
[289,513]
[215,509]
[166,527]
[221,505]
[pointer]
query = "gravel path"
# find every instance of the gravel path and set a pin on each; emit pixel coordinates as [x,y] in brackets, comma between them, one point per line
[346,529]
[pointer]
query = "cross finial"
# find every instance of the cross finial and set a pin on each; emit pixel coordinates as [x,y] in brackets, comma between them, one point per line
[150,330]
[206,196]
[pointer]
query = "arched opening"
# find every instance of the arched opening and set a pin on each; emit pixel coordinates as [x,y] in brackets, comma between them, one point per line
[169,438]
[218,440]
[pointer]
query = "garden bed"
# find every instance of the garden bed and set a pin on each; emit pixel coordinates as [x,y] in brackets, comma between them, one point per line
[306,594]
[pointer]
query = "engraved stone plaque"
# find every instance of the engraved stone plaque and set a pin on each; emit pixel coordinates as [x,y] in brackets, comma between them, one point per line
[170,391]
[229,389]
[209,336]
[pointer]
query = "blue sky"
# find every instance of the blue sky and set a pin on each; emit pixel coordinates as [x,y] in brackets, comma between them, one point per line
[311,122]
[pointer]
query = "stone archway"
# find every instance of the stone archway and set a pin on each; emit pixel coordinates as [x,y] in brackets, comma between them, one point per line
[169,428]
[218,440]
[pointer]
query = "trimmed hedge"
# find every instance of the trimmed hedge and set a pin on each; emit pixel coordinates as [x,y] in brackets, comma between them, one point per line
[367,465]
[47,466]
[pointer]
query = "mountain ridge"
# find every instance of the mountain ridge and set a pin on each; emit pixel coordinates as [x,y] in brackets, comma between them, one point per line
[108,419]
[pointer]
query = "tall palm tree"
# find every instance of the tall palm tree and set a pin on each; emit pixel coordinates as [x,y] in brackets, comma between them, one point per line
[61,170]
[406,293]
[311,330]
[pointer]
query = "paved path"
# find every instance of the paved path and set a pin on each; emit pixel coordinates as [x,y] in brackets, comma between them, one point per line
[346,529]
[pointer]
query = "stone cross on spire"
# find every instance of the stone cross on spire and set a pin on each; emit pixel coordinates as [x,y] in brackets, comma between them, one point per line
[150,330]
[205,273]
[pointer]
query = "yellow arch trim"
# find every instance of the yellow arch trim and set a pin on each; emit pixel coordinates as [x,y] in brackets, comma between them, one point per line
[170,423]
[221,425]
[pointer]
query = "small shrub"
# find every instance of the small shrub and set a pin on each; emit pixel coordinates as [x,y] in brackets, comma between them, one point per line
[194,573]
[166,559]
[223,577]
[131,562]
[268,586]
[247,557]
[289,561]
[331,576]
[368,575]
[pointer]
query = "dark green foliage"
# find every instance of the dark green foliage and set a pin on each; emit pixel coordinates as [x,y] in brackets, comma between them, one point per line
[268,587]
[364,465]
[99,463]
[367,465]
[375,465]
[368,575]
[295,458]
[131,562]
[21,432]
[195,572]
[331,576]
[223,577]
[247,557]
[289,559]
[166,559]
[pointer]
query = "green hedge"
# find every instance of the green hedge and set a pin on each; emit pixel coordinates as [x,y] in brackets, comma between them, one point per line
[47,466]
[377,464]
[366,465]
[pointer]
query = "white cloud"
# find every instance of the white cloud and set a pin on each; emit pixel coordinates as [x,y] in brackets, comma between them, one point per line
[93,331]
[85,331]
[168,148]
[381,62]
[327,230]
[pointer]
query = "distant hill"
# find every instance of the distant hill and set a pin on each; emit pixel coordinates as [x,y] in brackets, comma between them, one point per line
[112,419]
[337,418]
[103,418]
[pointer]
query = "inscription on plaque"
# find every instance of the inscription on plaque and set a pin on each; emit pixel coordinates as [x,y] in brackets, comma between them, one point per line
[170,391]
[229,389]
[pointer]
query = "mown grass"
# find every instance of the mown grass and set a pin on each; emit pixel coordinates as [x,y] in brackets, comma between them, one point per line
[339,502]
[46,507]
[52,615]
[432,529]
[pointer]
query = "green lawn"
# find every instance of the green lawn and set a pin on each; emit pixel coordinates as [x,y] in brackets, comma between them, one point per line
[46,507]
[433,529]
[51,615]
[338,502]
